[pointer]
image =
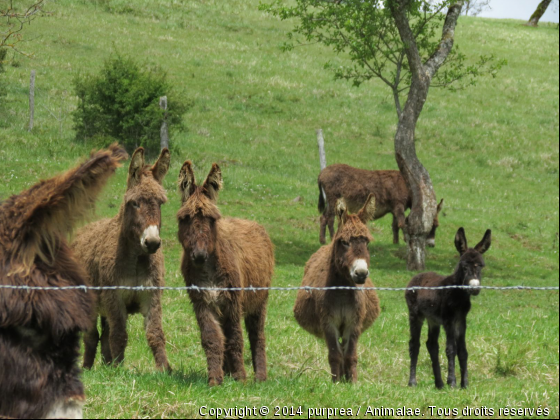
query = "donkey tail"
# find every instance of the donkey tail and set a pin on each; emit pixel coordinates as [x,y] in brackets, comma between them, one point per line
[322,202]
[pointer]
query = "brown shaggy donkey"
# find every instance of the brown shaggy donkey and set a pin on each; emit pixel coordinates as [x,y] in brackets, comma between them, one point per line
[126,251]
[447,307]
[388,187]
[224,252]
[40,330]
[340,316]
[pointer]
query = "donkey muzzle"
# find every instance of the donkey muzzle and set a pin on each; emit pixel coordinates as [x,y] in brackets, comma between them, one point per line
[474,283]
[199,256]
[359,271]
[431,242]
[150,240]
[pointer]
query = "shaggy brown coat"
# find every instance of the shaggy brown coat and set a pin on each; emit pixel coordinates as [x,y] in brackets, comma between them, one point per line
[447,307]
[340,316]
[39,330]
[115,252]
[354,185]
[225,253]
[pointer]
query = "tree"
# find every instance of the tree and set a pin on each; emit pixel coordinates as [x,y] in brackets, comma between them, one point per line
[475,7]
[121,103]
[395,41]
[539,12]
[13,21]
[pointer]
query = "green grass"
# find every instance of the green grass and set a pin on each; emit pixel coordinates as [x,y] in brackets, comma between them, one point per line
[491,150]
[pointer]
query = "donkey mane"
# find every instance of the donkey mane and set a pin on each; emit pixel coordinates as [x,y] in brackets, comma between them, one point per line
[50,209]
[199,203]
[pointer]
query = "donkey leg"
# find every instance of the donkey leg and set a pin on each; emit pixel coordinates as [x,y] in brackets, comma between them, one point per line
[234,343]
[433,349]
[451,352]
[323,222]
[399,222]
[213,343]
[105,344]
[254,323]
[336,359]
[462,353]
[91,339]
[351,355]
[330,222]
[154,332]
[415,323]
[118,337]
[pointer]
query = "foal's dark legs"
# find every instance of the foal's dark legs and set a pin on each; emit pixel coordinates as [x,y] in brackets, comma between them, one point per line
[433,349]
[91,338]
[462,353]
[105,345]
[451,352]
[415,323]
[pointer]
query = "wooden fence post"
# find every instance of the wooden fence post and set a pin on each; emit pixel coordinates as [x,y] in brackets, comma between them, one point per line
[31,100]
[163,133]
[321,144]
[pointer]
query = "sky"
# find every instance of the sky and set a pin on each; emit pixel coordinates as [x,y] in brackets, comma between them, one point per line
[520,9]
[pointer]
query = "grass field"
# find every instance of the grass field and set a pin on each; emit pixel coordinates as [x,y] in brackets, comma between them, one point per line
[492,152]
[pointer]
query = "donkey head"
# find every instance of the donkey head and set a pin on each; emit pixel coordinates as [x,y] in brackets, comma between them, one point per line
[431,240]
[351,255]
[471,262]
[143,199]
[198,214]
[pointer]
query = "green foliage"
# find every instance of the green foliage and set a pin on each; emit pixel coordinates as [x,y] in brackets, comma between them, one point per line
[365,31]
[122,103]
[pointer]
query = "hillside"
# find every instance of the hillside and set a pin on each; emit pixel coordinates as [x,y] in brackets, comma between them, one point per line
[492,151]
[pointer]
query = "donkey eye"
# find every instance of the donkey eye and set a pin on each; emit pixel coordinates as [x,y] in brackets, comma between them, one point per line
[345,244]
[135,204]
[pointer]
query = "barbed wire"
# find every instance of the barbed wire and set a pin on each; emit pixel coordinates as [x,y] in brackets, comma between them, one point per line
[277,288]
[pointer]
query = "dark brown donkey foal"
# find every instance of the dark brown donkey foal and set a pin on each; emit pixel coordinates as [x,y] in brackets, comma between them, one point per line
[340,316]
[447,307]
[224,253]
[126,251]
[40,329]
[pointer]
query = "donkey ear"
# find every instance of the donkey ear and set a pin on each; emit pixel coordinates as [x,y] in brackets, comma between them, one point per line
[187,183]
[136,167]
[213,183]
[440,206]
[461,241]
[483,245]
[368,210]
[160,168]
[341,211]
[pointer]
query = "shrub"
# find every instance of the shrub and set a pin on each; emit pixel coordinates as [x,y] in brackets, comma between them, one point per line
[122,102]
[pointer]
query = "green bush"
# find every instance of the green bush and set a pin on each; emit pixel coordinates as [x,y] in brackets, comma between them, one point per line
[122,102]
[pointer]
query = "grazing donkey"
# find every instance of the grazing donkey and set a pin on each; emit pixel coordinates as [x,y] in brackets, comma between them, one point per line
[224,253]
[126,251]
[447,307]
[40,329]
[389,188]
[340,316]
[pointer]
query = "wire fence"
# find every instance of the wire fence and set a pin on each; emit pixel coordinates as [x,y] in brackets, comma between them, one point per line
[257,289]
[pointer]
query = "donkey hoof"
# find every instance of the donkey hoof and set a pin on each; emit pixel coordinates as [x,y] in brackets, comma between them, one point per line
[439,385]
[214,382]
[411,383]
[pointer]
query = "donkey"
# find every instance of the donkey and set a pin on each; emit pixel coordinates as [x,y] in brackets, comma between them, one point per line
[40,329]
[389,188]
[224,253]
[447,307]
[340,316]
[126,251]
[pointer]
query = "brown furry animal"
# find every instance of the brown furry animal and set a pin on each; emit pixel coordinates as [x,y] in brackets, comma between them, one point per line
[126,251]
[447,307]
[340,316]
[388,187]
[40,329]
[224,252]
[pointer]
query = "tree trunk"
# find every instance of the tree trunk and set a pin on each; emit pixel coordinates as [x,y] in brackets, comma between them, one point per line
[535,17]
[321,144]
[424,205]
[31,100]
[163,132]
